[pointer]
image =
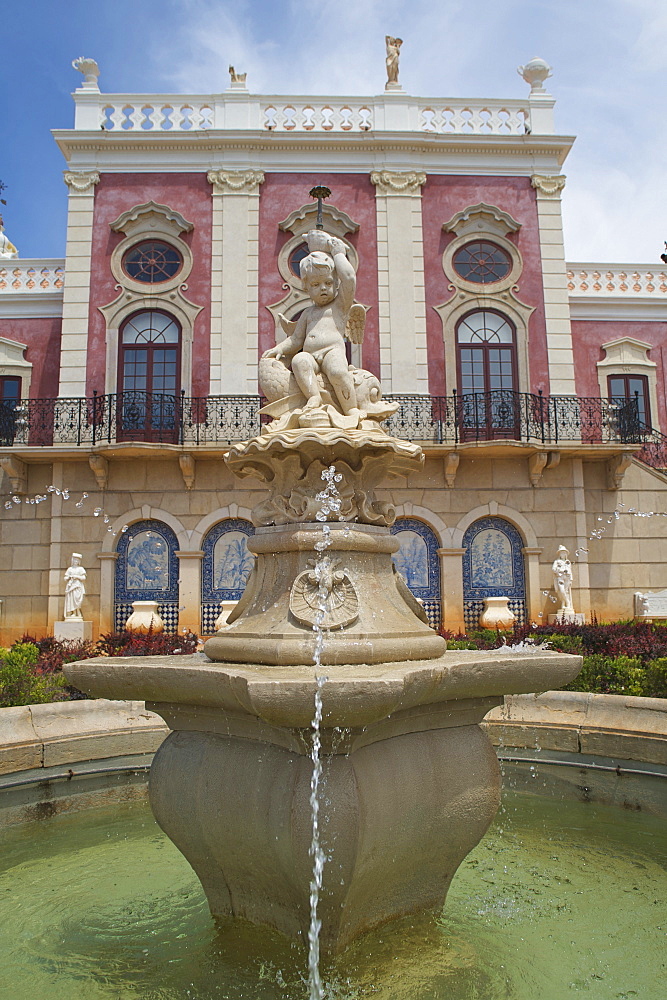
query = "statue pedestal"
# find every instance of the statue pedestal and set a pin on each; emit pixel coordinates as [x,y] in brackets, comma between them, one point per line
[73,630]
[567,618]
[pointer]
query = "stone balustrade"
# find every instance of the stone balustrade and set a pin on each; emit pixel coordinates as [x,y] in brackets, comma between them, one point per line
[240,110]
[627,280]
[31,276]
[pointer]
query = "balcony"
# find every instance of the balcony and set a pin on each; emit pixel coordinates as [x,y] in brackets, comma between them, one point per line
[156,421]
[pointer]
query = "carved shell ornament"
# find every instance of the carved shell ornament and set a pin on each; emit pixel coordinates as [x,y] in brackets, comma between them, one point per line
[324,595]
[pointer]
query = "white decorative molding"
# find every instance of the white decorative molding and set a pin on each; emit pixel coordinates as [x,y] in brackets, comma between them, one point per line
[32,276]
[481,217]
[100,468]
[151,216]
[16,471]
[150,221]
[627,356]
[398,182]
[303,219]
[479,222]
[235,181]
[239,110]
[628,281]
[548,186]
[13,363]
[81,181]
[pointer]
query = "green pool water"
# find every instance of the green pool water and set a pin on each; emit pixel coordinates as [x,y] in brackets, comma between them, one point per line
[559,899]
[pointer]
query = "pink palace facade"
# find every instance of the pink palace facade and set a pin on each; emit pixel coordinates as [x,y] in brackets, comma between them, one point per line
[535,386]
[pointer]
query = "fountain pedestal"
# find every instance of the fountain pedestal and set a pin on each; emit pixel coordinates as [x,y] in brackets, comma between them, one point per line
[410,780]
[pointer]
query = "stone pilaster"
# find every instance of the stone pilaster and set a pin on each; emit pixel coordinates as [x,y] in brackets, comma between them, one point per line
[189,590]
[402,308]
[451,588]
[76,291]
[234,280]
[556,298]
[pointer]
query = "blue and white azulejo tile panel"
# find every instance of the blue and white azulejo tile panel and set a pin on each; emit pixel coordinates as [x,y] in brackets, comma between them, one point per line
[493,566]
[147,570]
[417,562]
[226,567]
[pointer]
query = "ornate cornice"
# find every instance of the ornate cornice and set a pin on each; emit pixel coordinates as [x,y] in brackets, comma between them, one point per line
[409,182]
[338,223]
[235,181]
[140,216]
[549,186]
[490,217]
[81,181]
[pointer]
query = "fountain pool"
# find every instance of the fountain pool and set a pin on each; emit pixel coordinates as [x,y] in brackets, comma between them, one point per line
[558,899]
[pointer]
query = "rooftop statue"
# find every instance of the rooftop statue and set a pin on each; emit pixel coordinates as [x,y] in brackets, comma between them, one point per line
[306,377]
[7,249]
[393,52]
[238,78]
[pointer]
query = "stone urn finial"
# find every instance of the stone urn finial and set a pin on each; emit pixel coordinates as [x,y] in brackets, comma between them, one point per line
[90,70]
[535,73]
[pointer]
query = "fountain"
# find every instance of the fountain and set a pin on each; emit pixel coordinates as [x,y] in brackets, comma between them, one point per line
[411,782]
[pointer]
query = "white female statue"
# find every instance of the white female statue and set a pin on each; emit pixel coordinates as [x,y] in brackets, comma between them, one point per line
[393,52]
[75,591]
[562,571]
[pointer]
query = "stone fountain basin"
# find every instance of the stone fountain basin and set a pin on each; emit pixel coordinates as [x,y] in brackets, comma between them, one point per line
[411,779]
[357,695]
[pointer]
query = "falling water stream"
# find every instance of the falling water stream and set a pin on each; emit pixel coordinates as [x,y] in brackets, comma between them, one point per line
[330,503]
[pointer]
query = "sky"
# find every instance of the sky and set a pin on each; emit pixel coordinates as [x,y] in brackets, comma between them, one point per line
[609,60]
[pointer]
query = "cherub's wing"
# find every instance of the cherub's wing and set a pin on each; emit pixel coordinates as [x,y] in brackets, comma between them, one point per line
[288,325]
[356,320]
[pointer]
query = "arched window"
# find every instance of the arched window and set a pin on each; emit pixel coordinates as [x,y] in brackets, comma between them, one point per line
[226,567]
[417,562]
[149,377]
[147,570]
[493,566]
[487,375]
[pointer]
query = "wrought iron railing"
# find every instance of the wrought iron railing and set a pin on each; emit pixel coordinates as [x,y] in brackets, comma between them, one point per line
[517,416]
[219,420]
[654,448]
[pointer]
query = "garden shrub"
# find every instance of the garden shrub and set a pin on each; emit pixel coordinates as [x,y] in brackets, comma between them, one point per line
[21,682]
[31,670]
[610,675]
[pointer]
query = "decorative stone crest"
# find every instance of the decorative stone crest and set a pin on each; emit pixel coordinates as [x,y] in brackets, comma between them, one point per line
[408,182]
[235,181]
[551,187]
[81,181]
[324,594]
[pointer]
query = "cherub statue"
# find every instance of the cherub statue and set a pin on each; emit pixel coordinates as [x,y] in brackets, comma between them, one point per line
[562,571]
[322,384]
[393,52]
[75,591]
